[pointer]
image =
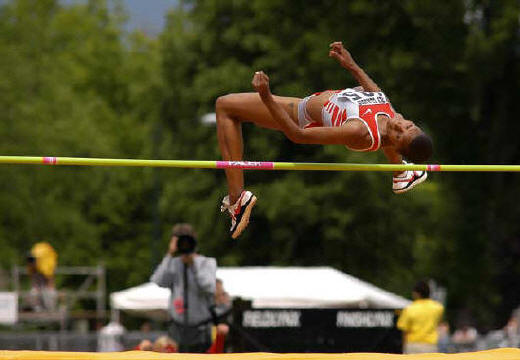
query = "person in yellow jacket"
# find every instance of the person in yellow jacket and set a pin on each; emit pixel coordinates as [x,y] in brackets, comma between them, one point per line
[419,321]
[46,259]
[41,263]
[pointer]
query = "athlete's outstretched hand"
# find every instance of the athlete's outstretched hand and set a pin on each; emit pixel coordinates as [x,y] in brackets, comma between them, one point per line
[338,52]
[261,84]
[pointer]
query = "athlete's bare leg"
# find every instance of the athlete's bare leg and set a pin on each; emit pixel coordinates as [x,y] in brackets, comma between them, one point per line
[234,109]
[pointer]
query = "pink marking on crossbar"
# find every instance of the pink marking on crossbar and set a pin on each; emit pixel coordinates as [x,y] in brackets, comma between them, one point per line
[49,160]
[433,167]
[265,165]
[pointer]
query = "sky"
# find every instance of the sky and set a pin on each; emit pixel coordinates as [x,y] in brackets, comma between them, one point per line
[147,15]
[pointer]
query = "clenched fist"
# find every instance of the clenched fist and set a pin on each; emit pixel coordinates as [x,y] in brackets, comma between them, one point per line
[261,84]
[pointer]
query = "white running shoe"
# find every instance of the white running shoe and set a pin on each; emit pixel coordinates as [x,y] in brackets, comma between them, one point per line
[239,211]
[408,180]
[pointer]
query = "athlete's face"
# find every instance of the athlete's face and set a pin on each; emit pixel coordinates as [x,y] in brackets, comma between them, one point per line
[404,131]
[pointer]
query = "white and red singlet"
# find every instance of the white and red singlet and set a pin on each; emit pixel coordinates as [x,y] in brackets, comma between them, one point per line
[348,104]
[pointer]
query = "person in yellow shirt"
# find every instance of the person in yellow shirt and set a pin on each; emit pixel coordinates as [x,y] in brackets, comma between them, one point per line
[41,263]
[46,259]
[419,321]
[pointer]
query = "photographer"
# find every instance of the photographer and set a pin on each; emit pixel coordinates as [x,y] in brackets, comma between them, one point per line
[191,277]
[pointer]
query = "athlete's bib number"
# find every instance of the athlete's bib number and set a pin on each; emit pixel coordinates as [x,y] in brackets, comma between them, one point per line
[363,97]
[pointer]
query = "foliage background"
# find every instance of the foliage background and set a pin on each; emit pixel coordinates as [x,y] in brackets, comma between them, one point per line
[73,82]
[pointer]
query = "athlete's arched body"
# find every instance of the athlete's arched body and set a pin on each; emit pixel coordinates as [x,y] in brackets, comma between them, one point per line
[362,119]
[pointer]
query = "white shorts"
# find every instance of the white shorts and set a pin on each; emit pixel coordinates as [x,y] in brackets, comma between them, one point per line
[303,116]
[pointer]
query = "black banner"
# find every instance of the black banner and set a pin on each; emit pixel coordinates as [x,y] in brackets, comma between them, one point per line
[316,330]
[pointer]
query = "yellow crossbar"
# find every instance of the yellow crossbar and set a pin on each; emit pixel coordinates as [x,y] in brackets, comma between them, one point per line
[249,165]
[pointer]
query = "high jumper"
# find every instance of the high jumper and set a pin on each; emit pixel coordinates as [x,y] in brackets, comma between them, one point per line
[361,118]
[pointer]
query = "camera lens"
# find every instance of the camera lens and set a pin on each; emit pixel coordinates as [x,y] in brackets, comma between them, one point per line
[186,244]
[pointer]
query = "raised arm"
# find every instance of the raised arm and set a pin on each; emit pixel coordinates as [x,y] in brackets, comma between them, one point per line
[338,52]
[163,275]
[261,84]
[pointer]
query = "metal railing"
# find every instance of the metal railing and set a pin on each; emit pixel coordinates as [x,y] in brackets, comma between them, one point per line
[68,341]
[92,286]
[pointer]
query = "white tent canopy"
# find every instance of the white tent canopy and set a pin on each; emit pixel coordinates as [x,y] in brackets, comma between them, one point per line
[275,287]
[312,287]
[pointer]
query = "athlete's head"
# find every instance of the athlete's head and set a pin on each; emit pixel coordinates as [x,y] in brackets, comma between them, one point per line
[419,149]
[410,140]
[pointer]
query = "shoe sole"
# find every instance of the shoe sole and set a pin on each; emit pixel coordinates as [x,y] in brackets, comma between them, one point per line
[245,218]
[413,184]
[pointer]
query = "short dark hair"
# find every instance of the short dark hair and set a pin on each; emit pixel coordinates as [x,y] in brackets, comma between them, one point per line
[422,288]
[182,229]
[420,149]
